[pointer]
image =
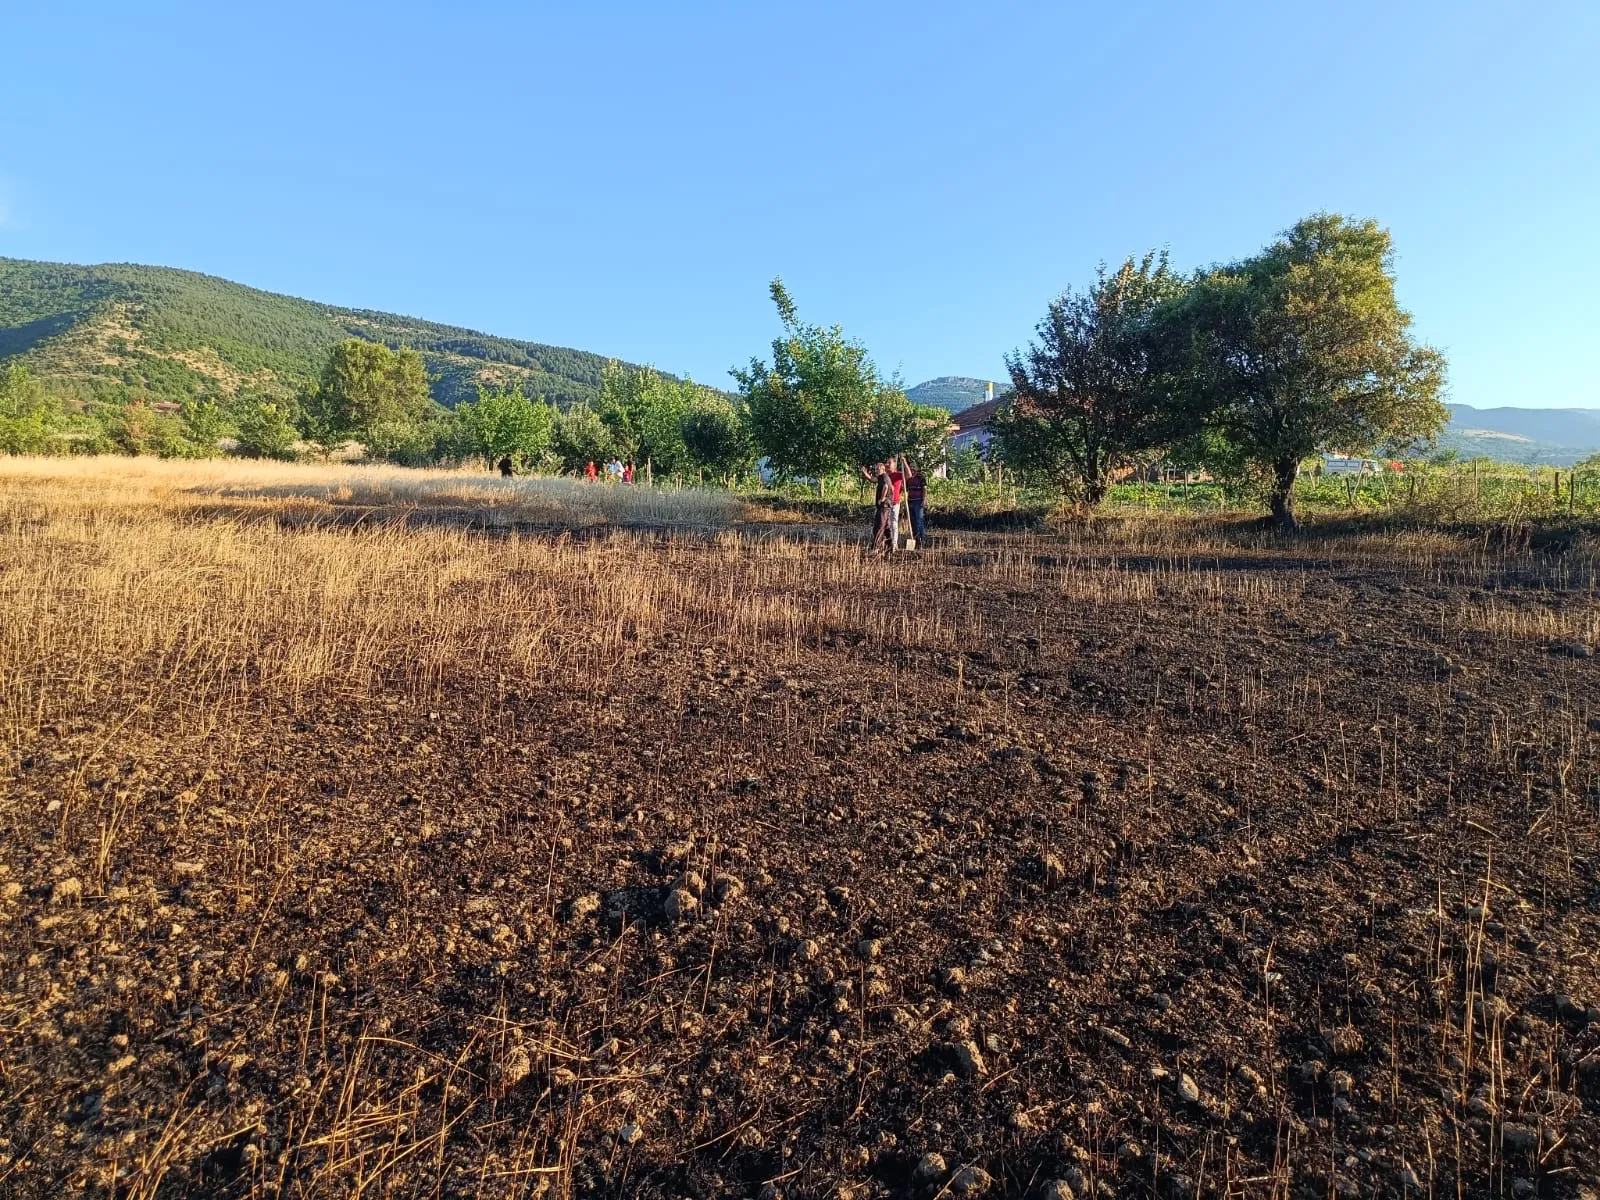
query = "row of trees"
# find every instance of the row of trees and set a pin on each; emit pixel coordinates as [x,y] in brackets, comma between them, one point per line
[815,412]
[1245,369]
[667,426]
[34,421]
[379,397]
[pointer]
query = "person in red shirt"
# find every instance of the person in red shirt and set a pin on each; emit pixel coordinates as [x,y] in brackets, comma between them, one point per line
[897,481]
[627,473]
[590,473]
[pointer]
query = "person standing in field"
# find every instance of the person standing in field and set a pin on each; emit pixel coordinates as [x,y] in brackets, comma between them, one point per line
[916,499]
[627,473]
[882,505]
[506,468]
[590,473]
[897,480]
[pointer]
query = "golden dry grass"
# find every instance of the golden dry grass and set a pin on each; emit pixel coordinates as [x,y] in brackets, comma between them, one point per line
[299,493]
[123,578]
[213,586]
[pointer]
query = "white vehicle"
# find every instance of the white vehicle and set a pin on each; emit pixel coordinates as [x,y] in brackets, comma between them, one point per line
[1338,464]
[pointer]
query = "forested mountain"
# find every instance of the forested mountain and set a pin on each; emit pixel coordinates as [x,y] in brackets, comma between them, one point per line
[954,392]
[120,332]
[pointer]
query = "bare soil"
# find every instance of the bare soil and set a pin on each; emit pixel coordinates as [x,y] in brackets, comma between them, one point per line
[1260,873]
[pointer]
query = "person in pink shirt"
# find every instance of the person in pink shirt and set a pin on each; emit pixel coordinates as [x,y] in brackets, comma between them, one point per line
[897,481]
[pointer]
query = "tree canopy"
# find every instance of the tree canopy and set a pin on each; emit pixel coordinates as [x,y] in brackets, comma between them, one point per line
[1093,392]
[27,422]
[1247,369]
[820,408]
[580,437]
[506,423]
[267,429]
[371,394]
[717,438]
[644,410]
[1302,349]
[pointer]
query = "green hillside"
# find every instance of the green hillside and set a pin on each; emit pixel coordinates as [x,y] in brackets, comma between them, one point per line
[1506,447]
[954,392]
[120,332]
[1556,437]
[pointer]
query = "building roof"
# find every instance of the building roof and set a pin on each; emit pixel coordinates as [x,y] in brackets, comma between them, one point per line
[976,417]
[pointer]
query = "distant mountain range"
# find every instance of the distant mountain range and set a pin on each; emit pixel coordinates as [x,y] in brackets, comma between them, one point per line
[1550,436]
[124,332]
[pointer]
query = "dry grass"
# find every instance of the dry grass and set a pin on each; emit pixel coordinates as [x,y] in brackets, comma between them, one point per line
[128,583]
[300,494]
[123,576]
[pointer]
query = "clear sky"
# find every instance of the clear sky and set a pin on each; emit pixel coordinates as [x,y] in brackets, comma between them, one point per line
[626,178]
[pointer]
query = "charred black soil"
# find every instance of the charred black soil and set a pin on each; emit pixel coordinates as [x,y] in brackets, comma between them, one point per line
[1181,875]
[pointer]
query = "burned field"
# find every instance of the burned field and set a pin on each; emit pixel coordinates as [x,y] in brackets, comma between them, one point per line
[415,862]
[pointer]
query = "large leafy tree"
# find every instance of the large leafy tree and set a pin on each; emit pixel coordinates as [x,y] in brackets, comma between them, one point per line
[28,419]
[267,429]
[374,395]
[1093,392]
[644,410]
[508,423]
[580,437]
[717,438]
[1303,348]
[893,425]
[203,425]
[819,408]
[139,428]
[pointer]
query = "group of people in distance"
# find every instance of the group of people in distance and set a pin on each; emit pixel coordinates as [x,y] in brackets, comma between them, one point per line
[616,469]
[895,478]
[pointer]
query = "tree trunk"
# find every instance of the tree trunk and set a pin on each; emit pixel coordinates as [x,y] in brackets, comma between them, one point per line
[1095,488]
[1283,476]
[1096,478]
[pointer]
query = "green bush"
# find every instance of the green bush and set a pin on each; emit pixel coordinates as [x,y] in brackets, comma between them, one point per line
[267,430]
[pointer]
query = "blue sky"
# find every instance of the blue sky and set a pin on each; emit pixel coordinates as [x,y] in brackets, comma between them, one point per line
[626,178]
